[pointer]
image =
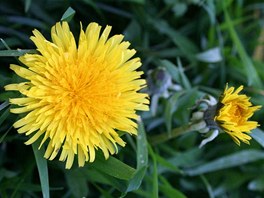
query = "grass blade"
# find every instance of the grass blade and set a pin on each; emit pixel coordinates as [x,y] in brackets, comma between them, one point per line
[113,167]
[155,190]
[258,135]
[68,15]
[142,159]
[208,186]
[236,159]
[250,71]
[18,52]
[4,105]
[27,5]
[42,168]
[4,115]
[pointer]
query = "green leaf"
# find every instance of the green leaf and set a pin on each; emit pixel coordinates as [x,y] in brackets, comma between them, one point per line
[171,192]
[18,52]
[177,73]
[209,7]
[7,173]
[236,159]
[185,102]
[179,9]
[155,184]
[258,135]
[208,186]
[93,175]
[5,44]
[12,42]
[68,15]
[27,5]
[42,168]
[4,115]
[185,82]
[135,182]
[5,134]
[132,31]
[166,164]
[135,1]
[187,47]
[104,193]
[28,22]
[257,184]
[142,159]
[113,167]
[77,182]
[168,190]
[249,69]
[115,10]
[171,107]
[4,105]
[181,159]
[172,69]
[142,150]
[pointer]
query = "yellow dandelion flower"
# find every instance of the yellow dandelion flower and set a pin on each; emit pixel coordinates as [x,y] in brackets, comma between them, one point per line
[233,113]
[78,97]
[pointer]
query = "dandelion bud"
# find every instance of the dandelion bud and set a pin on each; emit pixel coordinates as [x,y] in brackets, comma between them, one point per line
[230,114]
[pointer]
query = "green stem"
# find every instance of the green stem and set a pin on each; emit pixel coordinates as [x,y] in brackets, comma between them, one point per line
[157,139]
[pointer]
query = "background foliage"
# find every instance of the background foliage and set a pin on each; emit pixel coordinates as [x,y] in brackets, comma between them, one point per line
[200,45]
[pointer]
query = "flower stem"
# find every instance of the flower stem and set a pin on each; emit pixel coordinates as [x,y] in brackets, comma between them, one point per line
[157,139]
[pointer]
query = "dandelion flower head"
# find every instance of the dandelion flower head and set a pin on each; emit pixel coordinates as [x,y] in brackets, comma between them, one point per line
[233,114]
[76,97]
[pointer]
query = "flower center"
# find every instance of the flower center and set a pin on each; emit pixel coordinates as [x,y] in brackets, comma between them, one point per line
[236,113]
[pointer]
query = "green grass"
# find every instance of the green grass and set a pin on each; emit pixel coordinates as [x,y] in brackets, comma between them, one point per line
[202,45]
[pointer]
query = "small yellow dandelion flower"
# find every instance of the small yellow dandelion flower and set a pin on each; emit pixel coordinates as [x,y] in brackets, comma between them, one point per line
[233,113]
[77,97]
